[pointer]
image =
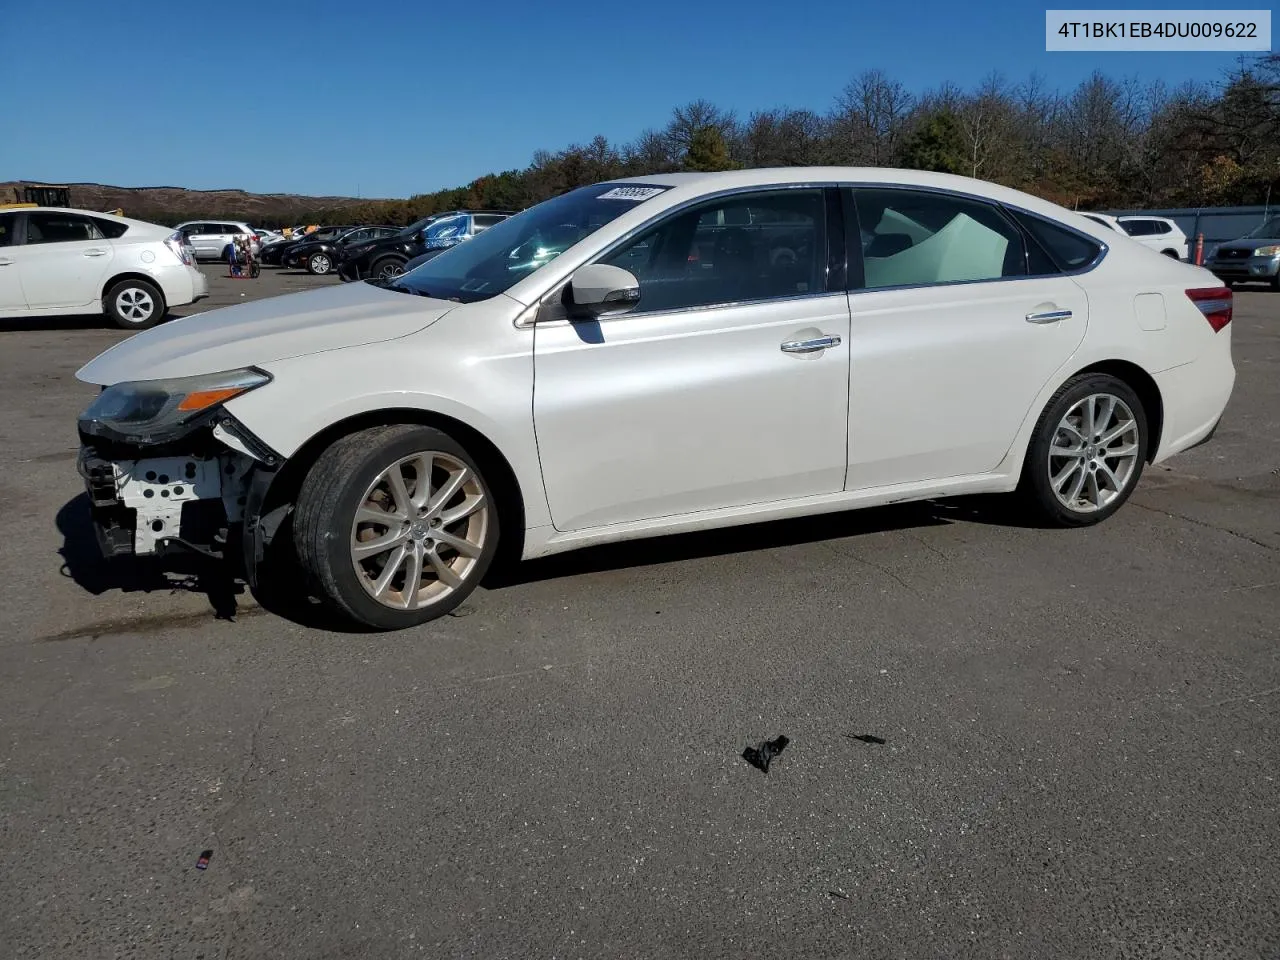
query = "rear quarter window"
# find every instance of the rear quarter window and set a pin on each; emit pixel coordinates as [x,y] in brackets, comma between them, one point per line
[110,228]
[1067,249]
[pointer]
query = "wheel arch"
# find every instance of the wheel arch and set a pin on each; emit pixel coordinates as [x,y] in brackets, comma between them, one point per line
[1144,385]
[495,466]
[129,275]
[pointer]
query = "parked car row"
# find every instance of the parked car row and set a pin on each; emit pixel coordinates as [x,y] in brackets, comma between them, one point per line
[357,252]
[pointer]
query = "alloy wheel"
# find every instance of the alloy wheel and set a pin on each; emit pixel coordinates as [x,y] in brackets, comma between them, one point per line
[1094,453]
[390,271]
[135,304]
[419,530]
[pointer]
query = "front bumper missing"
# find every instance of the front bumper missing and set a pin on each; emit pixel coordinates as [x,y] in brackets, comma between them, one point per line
[149,505]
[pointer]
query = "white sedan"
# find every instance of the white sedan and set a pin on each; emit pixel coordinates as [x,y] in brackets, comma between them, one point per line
[55,262]
[664,354]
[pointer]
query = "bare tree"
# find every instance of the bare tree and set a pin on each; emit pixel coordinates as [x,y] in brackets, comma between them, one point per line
[870,118]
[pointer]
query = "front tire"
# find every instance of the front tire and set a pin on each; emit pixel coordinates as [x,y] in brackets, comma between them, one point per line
[395,525]
[388,268]
[135,305]
[319,264]
[1087,451]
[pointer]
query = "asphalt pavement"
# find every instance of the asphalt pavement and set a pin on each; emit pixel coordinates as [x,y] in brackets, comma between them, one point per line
[1004,741]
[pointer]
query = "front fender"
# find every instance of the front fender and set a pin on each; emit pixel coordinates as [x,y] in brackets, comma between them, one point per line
[477,370]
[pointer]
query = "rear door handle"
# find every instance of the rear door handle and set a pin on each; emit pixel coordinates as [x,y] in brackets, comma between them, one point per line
[95,253]
[810,346]
[1049,316]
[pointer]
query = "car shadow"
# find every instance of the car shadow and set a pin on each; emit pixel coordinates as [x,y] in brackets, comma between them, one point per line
[985,509]
[42,322]
[83,562]
[283,589]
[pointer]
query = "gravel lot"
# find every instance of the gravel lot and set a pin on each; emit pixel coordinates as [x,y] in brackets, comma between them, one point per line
[1081,730]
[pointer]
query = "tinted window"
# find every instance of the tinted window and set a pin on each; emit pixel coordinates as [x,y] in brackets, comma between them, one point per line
[59,228]
[109,228]
[484,220]
[6,229]
[1137,228]
[758,246]
[912,237]
[1099,220]
[1068,250]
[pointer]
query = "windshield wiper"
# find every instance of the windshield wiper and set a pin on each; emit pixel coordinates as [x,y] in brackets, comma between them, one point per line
[401,288]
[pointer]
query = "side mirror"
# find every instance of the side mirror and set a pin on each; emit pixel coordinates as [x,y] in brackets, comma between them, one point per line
[598,289]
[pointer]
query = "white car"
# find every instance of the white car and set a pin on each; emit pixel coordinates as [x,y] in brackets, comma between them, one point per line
[56,261]
[1159,233]
[667,353]
[212,239]
[1106,219]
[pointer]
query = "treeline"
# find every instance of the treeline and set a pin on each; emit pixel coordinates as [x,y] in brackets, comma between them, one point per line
[1107,143]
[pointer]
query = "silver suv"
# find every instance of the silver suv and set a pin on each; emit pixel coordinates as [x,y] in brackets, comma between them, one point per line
[211,239]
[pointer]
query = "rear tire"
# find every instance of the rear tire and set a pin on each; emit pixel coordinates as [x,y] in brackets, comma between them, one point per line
[319,264]
[135,305]
[388,268]
[364,566]
[1083,462]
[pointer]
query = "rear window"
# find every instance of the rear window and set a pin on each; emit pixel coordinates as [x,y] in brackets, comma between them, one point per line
[110,228]
[1067,249]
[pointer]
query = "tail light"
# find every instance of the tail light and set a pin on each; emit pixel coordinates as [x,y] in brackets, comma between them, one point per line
[180,250]
[1215,303]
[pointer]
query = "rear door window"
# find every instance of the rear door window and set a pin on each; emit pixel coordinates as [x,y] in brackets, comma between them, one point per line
[60,228]
[7,221]
[918,237]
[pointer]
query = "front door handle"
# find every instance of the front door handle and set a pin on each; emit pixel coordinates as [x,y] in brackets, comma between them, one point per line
[95,253]
[1049,316]
[810,346]
[4,262]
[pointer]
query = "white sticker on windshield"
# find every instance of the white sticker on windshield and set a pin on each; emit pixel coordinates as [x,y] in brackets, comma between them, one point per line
[631,193]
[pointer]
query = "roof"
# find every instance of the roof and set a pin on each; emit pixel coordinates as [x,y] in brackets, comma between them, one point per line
[696,183]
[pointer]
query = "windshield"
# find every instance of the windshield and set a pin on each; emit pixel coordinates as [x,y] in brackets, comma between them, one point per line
[495,260]
[1269,230]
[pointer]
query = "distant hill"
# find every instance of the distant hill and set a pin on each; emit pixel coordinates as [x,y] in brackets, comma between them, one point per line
[171,205]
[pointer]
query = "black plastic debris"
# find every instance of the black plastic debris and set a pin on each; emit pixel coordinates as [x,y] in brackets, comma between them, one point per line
[866,738]
[203,862]
[761,756]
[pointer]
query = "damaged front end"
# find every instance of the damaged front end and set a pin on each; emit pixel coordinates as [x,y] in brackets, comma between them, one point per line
[167,468]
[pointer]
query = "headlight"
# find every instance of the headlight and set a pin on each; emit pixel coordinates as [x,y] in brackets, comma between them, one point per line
[1270,251]
[155,411]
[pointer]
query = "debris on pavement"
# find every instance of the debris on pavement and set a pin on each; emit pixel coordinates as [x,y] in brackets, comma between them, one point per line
[866,738]
[761,756]
[203,862]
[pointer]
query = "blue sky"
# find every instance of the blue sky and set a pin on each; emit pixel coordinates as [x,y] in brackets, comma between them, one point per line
[394,98]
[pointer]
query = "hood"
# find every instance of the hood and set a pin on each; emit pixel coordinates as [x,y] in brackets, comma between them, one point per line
[265,330]
[1248,244]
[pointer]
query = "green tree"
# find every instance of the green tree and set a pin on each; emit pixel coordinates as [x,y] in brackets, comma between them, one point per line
[936,143]
[708,151]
